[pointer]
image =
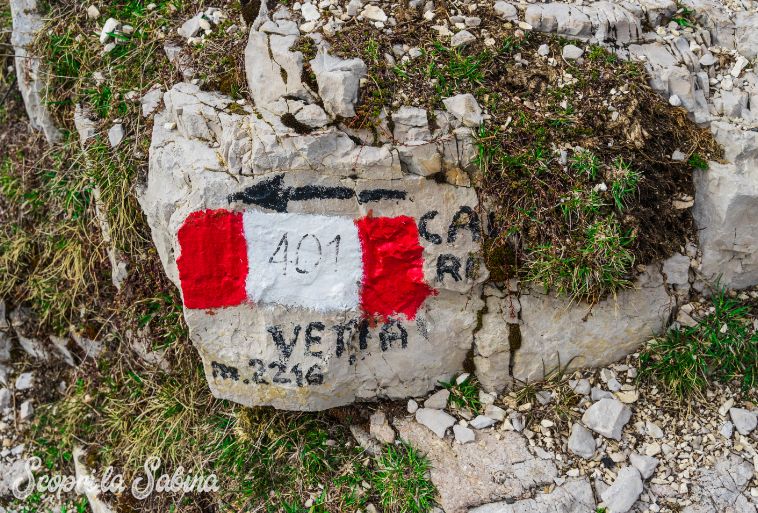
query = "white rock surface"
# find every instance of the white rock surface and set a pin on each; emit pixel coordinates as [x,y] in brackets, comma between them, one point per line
[722,488]
[25,381]
[624,492]
[726,197]
[727,430]
[411,125]
[745,421]
[312,116]
[551,330]
[607,417]
[573,496]
[463,435]
[436,420]
[12,473]
[397,358]
[85,125]
[26,23]
[273,70]
[646,465]
[374,13]
[110,26]
[498,466]
[505,10]
[380,428]
[653,430]
[676,270]
[495,412]
[33,347]
[581,386]
[492,346]
[465,108]
[572,52]
[116,135]
[61,345]
[192,27]
[151,101]
[438,400]
[556,330]
[310,12]
[5,399]
[481,422]
[338,81]
[462,38]
[581,442]
[25,411]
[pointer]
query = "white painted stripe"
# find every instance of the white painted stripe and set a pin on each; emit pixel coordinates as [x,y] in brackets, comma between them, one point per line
[303,260]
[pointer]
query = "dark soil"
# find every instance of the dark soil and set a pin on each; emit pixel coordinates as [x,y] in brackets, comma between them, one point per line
[546,214]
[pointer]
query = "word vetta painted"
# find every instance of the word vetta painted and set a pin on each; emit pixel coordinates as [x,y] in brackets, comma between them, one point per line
[322,263]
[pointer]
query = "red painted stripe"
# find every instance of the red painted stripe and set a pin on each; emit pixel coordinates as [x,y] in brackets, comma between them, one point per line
[213,262]
[393,274]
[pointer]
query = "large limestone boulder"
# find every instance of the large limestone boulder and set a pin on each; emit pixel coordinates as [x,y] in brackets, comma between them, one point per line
[314,272]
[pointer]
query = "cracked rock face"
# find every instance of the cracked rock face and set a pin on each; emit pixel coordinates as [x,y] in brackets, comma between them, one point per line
[489,470]
[556,331]
[723,488]
[574,496]
[726,202]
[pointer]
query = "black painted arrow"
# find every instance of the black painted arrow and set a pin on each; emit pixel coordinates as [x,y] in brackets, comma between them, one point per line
[272,194]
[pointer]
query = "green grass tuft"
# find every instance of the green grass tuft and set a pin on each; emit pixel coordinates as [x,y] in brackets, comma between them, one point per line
[402,480]
[722,347]
[625,180]
[599,263]
[464,395]
[586,163]
[697,162]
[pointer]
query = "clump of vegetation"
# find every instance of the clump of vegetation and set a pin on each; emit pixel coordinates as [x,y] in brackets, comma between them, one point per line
[572,161]
[562,406]
[402,479]
[723,347]
[684,16]
[281,461]
[464,395]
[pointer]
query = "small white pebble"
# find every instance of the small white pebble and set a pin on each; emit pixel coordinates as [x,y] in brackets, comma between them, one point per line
[93,12]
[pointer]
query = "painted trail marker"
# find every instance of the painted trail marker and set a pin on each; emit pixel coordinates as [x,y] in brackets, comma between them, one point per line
[307,291]
[322,263]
